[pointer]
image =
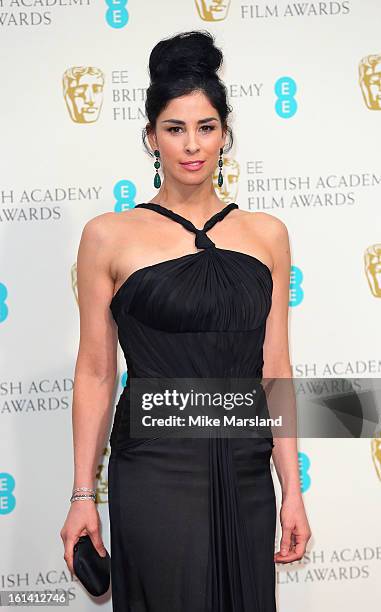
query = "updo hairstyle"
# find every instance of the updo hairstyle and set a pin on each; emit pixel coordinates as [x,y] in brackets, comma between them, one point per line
[180,65]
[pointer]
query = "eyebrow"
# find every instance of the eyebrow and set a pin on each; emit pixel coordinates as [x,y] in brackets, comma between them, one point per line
[179,122]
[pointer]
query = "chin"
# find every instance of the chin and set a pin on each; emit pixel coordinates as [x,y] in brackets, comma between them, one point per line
[193,180]
[194,177]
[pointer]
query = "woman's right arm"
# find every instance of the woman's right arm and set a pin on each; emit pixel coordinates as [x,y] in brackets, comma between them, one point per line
[94,377]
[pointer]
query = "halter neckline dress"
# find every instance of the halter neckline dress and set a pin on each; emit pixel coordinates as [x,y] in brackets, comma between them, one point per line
[192,520]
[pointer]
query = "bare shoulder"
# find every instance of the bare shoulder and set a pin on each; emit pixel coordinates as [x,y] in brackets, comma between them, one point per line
[98,240]
[99,226]
[272,233]
[110,240]
[271,228]
[267,222]
[105,227]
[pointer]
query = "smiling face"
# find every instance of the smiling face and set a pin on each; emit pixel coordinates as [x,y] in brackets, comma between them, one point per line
[188,130]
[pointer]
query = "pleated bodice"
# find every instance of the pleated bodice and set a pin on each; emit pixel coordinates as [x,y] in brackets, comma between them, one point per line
[213,303]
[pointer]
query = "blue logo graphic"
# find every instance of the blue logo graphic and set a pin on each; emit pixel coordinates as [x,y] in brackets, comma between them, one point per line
[7,499]
[296,291]
[117,15]
[285,90]
[304,466]
[123,379]
[124,194]
[3,305]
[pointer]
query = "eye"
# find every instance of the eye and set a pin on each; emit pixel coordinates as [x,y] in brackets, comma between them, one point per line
[204,128]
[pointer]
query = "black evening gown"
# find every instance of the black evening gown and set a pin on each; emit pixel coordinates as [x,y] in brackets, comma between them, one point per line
[192,520]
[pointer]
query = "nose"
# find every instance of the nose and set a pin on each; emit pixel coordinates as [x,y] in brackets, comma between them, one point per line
[191,144]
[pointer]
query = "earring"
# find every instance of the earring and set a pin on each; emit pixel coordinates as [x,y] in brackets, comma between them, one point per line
[157,179]
[220,163]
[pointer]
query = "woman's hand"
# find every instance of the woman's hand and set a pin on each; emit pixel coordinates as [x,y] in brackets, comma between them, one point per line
[82,519]
[295,530]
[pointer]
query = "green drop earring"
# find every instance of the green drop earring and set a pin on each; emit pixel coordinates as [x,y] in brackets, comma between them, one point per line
[157,179]
[220,163]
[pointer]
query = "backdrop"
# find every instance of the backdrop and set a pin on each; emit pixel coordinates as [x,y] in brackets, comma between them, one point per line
[304,79]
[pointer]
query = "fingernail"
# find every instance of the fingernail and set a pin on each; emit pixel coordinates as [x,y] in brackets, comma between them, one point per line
[284,551]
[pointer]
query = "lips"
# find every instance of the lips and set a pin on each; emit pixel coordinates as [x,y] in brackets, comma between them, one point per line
[193,165]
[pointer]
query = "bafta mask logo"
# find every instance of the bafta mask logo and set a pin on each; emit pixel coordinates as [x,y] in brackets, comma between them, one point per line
[375,447]
[229,190]
[212,10]
[372,265]
[74,280]
[83,93]
[101,495]
[370,80]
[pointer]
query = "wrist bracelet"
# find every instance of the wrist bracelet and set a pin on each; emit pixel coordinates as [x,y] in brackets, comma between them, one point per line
[75,497]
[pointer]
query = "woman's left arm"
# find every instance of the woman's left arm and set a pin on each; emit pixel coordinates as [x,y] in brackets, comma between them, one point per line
[295,528]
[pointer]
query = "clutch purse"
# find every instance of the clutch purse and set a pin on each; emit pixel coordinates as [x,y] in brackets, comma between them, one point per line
[92,570]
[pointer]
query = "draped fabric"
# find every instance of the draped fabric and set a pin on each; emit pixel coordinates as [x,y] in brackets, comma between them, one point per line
[192,519]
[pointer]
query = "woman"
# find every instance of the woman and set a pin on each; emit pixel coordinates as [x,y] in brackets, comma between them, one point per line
[193,289]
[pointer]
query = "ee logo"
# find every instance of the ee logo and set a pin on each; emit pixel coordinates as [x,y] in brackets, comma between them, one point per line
[304,466]
[3,305]
[124,194]
[123,379]
[285,90]
[117,15]
[296,290]
[7,499]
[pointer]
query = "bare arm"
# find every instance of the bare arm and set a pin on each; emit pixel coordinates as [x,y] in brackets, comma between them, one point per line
[276,357]
[94,378]
[295,528]
[96,363]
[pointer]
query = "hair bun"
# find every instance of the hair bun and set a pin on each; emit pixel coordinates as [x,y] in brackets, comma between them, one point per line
[186,53]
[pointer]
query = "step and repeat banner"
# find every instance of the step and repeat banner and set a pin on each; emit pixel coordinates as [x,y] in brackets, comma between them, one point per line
[304,81]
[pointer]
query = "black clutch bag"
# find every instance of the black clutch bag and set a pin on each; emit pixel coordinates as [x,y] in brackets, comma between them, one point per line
[92,570]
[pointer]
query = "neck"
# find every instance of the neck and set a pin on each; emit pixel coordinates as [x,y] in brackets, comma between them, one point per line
[198,201]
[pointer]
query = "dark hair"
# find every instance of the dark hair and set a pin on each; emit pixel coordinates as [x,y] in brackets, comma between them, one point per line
[179,65]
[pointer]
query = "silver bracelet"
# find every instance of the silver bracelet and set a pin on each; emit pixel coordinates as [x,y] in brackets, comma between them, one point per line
[75,497]
[83,489]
